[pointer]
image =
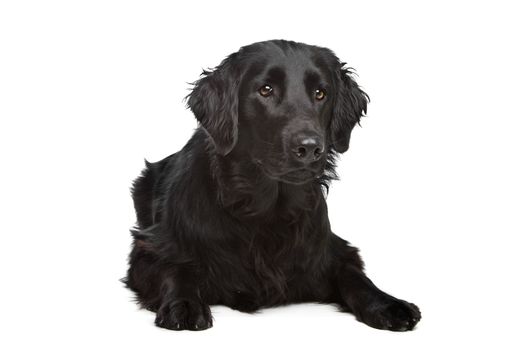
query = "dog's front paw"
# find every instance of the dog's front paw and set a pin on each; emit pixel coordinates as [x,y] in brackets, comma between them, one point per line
[391,314]
[181,314]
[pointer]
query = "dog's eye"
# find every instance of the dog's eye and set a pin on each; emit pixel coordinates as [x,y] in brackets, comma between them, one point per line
[265,90]
[320,94]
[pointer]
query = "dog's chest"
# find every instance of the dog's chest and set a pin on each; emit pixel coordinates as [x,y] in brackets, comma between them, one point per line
[278,254]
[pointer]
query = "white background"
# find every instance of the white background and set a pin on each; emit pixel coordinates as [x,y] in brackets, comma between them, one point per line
[432,190]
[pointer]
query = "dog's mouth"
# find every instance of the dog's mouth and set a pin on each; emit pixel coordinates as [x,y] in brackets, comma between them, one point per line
[299,177]
[295,176]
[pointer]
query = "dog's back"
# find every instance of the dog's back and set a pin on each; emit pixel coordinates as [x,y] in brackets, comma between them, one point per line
[146,191]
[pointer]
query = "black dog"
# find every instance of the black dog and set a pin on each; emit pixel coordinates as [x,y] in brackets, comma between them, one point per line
[238,217]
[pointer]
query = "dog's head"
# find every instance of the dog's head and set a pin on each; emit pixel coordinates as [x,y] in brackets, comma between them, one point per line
[281,104]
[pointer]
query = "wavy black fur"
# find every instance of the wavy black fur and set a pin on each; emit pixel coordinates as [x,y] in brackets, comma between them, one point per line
[237,217]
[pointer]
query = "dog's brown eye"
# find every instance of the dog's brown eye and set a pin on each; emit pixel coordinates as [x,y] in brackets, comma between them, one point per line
[320,94]
[265,90]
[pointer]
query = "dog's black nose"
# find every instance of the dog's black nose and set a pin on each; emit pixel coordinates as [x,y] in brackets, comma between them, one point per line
[308,149]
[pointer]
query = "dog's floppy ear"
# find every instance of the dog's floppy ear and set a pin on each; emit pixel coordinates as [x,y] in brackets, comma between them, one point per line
[214,101]
[349,106]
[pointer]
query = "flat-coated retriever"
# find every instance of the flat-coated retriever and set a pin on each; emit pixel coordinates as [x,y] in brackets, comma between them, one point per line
[238,217]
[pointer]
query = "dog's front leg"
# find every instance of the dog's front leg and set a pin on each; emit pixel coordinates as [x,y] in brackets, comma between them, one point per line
[367,302]
[181,306]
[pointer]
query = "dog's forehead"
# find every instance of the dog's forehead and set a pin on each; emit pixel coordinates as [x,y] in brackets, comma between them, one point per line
[288,64]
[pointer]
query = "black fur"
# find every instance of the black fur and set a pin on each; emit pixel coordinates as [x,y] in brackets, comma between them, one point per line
[238,216]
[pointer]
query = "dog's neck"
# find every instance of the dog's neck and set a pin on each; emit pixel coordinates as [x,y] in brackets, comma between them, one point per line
[245,191]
